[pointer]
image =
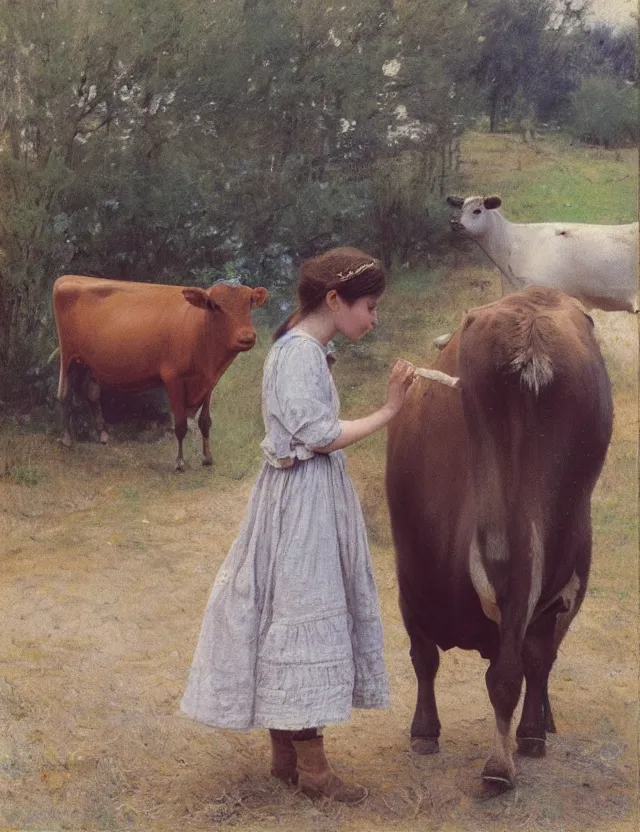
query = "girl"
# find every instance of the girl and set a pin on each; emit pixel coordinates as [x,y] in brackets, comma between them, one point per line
[291,637]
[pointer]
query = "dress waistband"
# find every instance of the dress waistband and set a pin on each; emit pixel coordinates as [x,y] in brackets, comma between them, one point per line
[288,461]
[282,462]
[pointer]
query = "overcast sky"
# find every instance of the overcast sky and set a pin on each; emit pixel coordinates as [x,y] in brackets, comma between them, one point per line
[615,11]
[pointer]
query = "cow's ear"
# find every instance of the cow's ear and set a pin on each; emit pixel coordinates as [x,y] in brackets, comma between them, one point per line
[456,201]
[196,297]
[258,296]
[492,202]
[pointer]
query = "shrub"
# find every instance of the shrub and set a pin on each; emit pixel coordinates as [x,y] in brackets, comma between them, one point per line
[409,212]
[604,113]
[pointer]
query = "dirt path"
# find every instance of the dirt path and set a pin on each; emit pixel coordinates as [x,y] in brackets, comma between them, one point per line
[106,569]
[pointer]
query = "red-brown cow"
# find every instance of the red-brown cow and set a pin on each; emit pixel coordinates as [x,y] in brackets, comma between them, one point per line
[135,336]
[489,490]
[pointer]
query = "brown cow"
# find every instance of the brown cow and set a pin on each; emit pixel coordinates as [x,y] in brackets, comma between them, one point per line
[135,336]
[489,491]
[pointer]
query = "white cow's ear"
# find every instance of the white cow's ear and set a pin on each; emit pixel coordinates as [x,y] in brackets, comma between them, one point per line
[456,201]
[492,202]
[196,297]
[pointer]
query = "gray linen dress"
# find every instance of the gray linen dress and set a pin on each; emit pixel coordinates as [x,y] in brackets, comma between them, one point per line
[291,636]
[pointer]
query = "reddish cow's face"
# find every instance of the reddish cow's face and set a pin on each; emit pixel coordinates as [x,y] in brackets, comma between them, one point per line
[230,305]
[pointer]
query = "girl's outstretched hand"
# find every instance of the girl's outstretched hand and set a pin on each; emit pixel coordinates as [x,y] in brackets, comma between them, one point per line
[399,382]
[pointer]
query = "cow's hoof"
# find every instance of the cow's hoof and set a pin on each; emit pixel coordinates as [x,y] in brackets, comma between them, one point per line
[104,437]
[496,776]
[425,745]
[180,466]
[531,747]
[65,441]
[493,788]
[206,460]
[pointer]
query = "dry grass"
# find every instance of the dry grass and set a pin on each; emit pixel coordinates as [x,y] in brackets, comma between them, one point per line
[107,560]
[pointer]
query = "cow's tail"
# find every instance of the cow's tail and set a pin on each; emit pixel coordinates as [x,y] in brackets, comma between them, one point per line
[532,360]
[59,350]
[62,382]
[62,378]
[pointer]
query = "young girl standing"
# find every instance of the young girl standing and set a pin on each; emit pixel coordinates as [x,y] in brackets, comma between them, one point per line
[291,638]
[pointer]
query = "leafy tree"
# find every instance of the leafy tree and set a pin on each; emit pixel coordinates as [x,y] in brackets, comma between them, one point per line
[607,51]
[526,46]
[81,85]
[605,113]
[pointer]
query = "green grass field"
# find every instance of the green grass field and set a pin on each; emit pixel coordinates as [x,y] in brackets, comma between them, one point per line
[552,179]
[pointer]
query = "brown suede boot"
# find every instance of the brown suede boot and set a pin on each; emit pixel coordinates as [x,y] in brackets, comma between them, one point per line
[283,756]
[317,778]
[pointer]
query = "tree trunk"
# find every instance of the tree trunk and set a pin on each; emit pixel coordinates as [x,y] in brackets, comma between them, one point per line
[494,98]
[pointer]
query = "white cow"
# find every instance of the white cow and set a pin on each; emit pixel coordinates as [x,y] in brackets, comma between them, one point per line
[598,264]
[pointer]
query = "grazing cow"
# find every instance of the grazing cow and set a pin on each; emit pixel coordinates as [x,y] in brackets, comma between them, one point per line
[135,336]
[489,492]
[598,264]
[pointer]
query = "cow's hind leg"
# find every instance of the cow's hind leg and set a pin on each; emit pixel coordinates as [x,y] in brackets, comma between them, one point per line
[549,723]
[204,423]
[65,419]
[504,684]
[177,398]
[539,653]
[425,728]
[538,656]
[92,392]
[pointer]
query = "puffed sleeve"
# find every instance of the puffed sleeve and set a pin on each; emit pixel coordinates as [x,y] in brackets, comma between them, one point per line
[303,392]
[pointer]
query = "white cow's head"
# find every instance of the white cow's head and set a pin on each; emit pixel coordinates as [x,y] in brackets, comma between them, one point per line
[474,219]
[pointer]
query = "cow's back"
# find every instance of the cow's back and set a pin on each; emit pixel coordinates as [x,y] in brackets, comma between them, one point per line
[97,297]
[123,331]
[83,303]
[597,264]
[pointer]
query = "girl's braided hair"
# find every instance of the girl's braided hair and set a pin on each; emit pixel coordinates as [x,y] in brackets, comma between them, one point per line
[352,273]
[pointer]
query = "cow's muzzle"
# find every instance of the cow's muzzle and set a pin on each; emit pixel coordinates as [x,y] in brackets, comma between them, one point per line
[457,226]
[245,342]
